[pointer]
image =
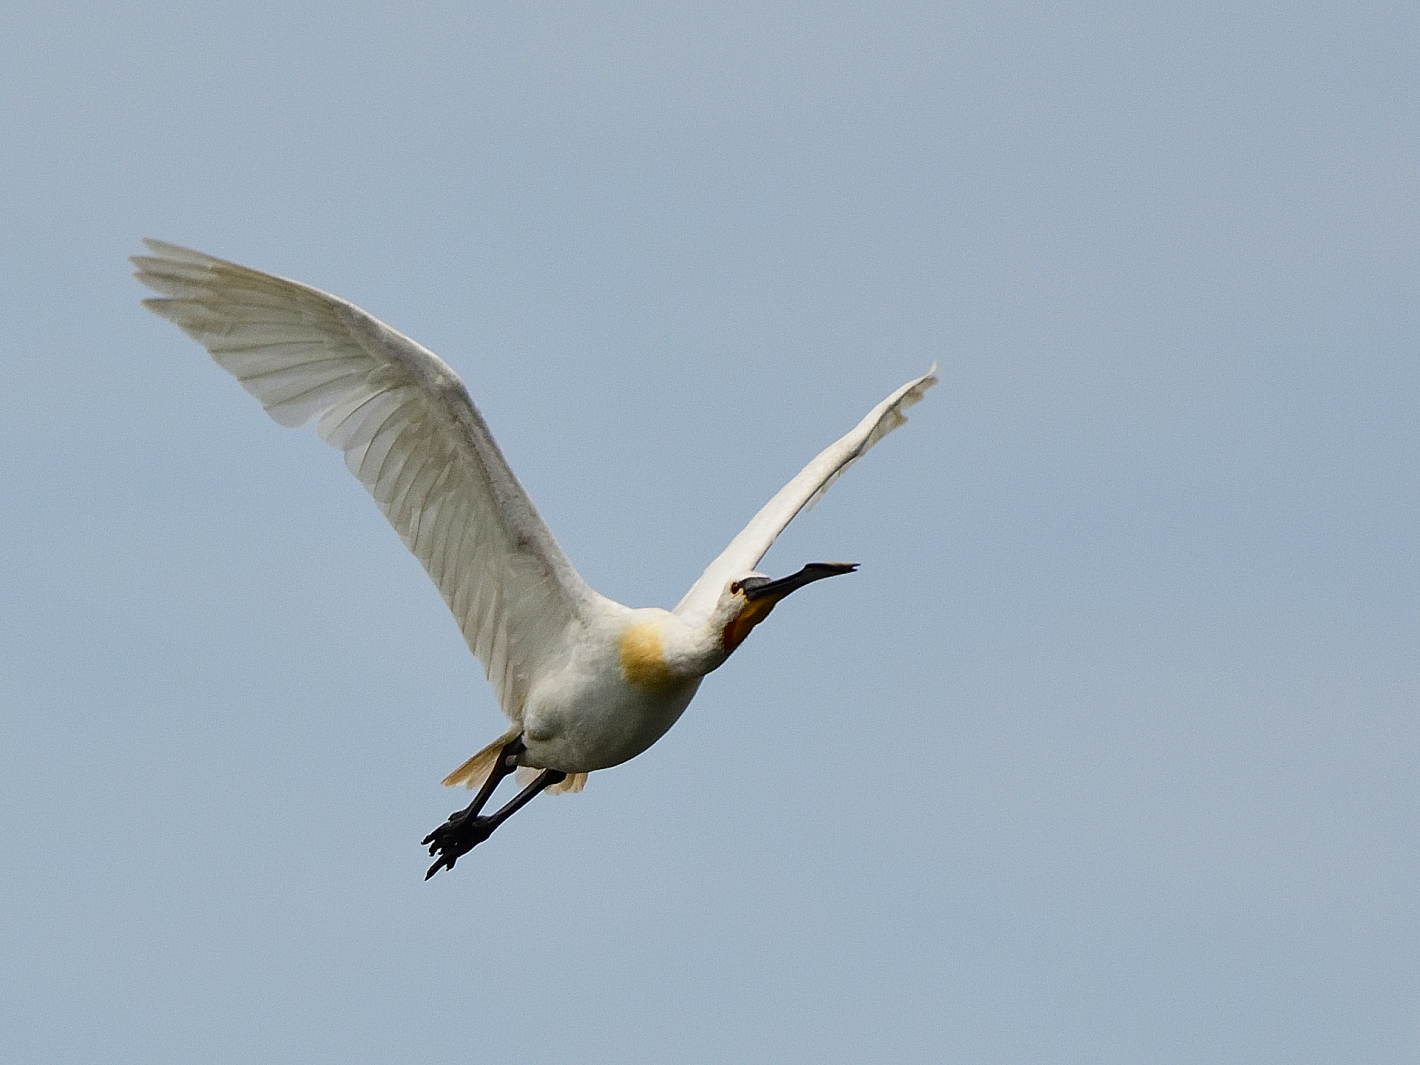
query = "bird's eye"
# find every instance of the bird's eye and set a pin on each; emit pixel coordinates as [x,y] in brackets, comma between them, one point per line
[734,587]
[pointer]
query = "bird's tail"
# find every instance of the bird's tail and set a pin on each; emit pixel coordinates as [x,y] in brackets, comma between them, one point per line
[475,771]
[574,783]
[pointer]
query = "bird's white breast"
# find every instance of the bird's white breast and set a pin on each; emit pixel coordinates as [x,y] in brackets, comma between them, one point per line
[618,693]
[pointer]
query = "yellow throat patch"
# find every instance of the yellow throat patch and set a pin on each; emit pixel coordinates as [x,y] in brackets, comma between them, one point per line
[753,613]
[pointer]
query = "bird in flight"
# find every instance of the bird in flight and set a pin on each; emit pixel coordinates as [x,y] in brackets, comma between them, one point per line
[585,682]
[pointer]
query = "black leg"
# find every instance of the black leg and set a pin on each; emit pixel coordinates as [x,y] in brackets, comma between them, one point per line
[465,830]
[545,779]
[450,831]
[507,763]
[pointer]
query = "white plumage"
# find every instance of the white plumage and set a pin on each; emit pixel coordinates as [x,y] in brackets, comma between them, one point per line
[585,681]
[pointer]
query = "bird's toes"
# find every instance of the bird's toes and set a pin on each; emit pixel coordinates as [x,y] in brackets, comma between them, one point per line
[432,836]
[455,838]
[453,824]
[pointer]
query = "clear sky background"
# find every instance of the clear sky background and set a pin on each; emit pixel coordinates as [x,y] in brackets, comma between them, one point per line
[1107,754]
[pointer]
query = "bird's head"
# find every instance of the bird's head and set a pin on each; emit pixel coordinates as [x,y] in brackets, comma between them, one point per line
[749,599]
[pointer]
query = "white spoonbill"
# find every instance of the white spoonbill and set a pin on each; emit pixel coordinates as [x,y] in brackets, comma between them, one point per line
[586,682]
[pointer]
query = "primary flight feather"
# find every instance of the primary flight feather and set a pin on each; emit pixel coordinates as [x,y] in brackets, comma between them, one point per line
[586,682]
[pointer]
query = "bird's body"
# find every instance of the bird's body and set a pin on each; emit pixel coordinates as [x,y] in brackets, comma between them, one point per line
[585,682]
[629,676]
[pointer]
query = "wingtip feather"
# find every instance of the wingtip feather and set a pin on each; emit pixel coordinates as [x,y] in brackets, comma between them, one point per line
[177,252]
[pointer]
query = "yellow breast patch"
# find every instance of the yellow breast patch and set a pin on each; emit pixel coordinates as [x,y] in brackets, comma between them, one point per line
[642,662]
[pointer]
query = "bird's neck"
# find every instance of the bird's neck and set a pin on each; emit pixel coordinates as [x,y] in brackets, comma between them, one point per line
[660,652]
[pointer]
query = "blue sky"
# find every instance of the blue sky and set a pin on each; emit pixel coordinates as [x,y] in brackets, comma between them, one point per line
[1106,754]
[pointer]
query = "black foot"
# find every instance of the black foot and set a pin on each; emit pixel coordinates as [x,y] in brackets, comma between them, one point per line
[465,830]
[456,837]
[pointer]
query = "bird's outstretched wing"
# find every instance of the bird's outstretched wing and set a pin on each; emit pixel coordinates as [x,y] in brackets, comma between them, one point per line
[409,432]
[803,491]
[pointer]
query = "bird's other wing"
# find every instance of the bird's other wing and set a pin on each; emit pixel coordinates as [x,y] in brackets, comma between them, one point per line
[802,492]
[409,432]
